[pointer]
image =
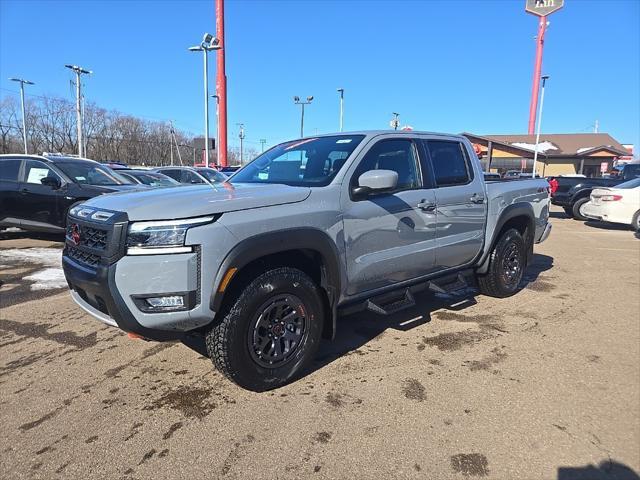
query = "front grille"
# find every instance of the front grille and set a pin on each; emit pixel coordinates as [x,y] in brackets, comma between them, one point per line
[91,237]
[83,257]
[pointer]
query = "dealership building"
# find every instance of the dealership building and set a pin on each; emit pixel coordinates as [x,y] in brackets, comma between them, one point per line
[590,154]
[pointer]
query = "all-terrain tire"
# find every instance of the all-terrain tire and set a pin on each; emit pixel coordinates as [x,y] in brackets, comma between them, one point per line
[577,206]
[230,343]
[506,266]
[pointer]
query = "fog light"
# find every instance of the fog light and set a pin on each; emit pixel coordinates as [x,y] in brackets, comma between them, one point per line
[175,301]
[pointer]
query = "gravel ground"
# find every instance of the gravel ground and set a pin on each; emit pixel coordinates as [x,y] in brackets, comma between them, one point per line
[542,385]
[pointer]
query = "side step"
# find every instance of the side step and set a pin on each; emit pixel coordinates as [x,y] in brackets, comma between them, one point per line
[391,303]
[448,285]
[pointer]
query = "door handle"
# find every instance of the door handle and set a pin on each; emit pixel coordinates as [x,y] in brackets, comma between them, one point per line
[475,198]
[24,190]
[426,206]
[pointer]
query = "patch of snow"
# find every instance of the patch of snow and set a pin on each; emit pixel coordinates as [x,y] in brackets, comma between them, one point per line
[584,149]
[51,276]
[47,279]
[542,146]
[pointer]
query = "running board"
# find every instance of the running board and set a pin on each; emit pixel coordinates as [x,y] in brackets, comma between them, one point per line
[390,304]
[457,283]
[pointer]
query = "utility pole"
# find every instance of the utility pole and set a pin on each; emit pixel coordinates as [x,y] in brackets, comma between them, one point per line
[241,136]
[262,142]
[79,71]
[217,144]
[535,154]
[297,101]
[341,92]
[24,121]
[595,129]
[221,85]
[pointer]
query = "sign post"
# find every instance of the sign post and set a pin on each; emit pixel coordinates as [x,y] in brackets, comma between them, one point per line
[540,8]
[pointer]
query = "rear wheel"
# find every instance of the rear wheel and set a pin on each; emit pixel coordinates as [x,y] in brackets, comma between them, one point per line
[577,209]
[270,331]
[635,223]
[506,266]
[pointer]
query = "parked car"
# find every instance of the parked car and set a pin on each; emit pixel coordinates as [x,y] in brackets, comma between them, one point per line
[116,165]
[573,192]
[193,175]
[261,267]
[36,192]
[619,204]
[229,169]
[491,176]
[146,177]
[511,174]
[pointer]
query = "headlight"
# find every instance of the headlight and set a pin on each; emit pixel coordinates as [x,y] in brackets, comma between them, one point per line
[145,238]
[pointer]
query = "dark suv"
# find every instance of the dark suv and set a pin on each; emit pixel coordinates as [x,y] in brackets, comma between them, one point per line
[37,192]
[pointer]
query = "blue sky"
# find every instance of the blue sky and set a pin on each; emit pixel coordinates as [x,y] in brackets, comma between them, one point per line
[447,66]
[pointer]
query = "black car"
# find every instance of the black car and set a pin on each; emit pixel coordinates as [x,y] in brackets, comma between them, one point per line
[37,192]
[193,175]
[146,177]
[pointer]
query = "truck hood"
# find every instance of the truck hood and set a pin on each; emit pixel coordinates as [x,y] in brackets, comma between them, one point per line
[197,200]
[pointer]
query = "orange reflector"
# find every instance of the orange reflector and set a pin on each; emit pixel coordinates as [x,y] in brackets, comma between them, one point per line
[134,336]
[227,278]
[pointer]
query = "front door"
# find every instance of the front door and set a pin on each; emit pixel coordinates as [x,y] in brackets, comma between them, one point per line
[40,203]
[389,237]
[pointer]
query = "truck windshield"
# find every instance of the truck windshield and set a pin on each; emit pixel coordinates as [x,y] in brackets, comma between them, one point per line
[90,173]
[310,162]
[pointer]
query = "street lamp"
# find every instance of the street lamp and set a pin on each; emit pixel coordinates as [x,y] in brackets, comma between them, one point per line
[209,42]
[297,101]
[341,92]
[24,121]
[241,137]
[535,154]
[395,123]
[217,97]
[79,71]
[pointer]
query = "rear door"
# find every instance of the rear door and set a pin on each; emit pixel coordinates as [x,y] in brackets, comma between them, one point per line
[40,204]
[461,203]
[389,237]
[9,196]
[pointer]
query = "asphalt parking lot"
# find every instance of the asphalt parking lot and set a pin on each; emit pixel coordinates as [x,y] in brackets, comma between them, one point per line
[542,385]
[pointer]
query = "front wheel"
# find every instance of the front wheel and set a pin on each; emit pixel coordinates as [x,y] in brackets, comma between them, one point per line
[506,266]
[270,331]
[635,222]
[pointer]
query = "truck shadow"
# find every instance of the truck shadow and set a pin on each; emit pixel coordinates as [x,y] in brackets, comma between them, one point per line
[357,329]
[606,470]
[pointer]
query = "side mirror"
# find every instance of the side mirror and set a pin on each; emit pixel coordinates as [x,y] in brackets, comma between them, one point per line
[375,181]
[52,182]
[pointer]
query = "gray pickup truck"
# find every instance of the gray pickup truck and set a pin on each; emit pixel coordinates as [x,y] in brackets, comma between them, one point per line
[262,266]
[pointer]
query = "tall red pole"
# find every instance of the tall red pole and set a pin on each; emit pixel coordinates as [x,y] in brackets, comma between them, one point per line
[221,85]
[537,71]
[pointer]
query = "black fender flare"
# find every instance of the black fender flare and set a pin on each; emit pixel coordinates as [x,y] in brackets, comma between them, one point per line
[262,245]
[512,211]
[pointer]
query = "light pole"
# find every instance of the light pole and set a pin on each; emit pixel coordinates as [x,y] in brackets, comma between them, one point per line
[262,142]
[24,121]
[79,71]
[241,137]
[341,92]
[395,123]
[209,42]
[535,154]
[297,101]
[217,145]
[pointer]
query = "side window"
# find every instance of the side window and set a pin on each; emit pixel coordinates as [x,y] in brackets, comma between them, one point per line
[190,177]
[175,174]
[35,171]
[450,163]
[9,170]
[397,155]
